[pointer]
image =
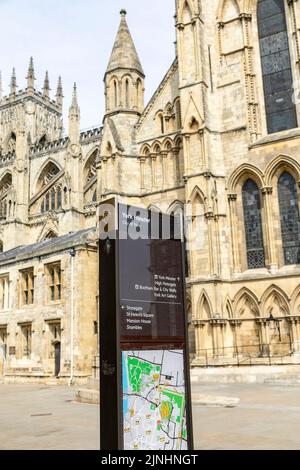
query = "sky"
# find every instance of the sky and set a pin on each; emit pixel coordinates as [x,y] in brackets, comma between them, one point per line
[74,39]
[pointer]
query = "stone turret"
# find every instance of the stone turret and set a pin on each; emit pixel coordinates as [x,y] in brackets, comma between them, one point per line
[124,78]
[124,91]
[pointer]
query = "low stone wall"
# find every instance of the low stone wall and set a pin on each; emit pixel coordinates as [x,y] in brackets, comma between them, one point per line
[247,375]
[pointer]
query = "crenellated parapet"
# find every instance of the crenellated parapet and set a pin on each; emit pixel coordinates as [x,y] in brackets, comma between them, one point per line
[7,159]
[33,110]
[91,135]
[48,148]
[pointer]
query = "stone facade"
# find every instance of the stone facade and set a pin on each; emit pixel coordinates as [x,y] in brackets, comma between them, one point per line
[49,308]
[219,139]
[200,139]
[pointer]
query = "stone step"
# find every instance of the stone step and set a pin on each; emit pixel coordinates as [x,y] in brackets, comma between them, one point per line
[89,396]
[283,381]
[214,401]
[93,383]
[92,397]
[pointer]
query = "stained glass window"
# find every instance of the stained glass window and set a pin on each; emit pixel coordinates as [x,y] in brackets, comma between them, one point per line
[53,199]
[289,217]
[59,198]
[276,66]
[253,225]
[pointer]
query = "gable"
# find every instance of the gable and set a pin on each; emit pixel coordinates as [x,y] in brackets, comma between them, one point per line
[164,96]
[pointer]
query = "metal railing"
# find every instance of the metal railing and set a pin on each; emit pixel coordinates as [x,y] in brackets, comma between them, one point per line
[248,355]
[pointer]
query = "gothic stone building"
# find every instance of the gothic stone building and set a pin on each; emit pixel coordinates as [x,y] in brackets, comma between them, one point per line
[219,140]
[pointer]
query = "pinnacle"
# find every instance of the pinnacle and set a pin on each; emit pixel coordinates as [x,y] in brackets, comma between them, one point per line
[46,87]
[30,76]
[124,54]
[13,82]
[59,91]
[31,69]
[74,98]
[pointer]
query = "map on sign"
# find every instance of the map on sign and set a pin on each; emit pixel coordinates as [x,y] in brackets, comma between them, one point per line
[154,405]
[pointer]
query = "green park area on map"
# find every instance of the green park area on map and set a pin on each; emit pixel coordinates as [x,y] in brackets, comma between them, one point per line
[154,400]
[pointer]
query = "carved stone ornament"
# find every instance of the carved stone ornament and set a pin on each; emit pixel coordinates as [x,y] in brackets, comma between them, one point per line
[29,107]
[52,216]
[75,150]
[20,166]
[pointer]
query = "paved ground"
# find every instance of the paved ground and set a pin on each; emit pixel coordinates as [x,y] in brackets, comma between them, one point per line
[65,425]
[268,417]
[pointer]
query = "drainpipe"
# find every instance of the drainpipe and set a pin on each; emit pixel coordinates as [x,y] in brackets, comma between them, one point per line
[73,254]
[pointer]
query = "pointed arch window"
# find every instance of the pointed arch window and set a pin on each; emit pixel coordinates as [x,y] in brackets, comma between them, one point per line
[289,217]
[178,114]
[127,93]
[253,225]
[48,174]
[161,123]
[50,235]
[59,198]
[139,101]
[11,143]
[52,201]
[179,212]
[116,93]
[276,65]
[5,186]
[90,174]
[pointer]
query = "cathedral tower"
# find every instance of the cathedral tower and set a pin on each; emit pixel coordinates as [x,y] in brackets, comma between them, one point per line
[43,116]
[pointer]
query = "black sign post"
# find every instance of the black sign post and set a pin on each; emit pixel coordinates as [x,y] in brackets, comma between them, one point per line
[145,391]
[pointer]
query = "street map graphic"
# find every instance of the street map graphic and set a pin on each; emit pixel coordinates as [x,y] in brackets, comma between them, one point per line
[154,406]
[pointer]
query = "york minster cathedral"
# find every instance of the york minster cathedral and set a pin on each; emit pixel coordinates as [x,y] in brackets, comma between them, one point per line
[219,141]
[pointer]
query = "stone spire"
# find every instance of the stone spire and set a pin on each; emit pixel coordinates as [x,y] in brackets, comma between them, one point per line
[74,104]
[74,119]
[124,54]
[46,87]
[13,83]
[30,76]
[59,93]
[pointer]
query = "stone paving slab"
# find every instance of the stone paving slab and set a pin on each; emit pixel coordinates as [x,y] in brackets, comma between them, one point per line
[39,417]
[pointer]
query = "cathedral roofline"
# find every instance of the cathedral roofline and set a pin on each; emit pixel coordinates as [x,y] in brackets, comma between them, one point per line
[90,135]
[6,159]
[54,245]
[30,94]
[172,69]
